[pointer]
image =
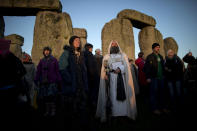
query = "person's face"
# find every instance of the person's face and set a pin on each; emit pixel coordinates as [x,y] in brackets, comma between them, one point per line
[170,54]
[114,44]
[190,53]
[98,52]
[143,57]
[156,49]
[90,49]
[76,42]
[114,48]
[46,52]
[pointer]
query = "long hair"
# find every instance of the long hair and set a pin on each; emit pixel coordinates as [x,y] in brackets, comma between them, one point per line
[71,40]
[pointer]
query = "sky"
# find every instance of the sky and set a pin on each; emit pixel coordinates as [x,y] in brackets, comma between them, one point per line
[175,18]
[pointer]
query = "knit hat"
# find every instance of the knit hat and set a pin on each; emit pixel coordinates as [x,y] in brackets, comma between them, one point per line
[4,45]
[155,45]
[72,38]
[26,58]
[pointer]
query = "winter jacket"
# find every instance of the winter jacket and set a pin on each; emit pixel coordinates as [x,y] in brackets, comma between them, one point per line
[173,68]
[189,59]
[151,65]
[73,75]
[99,60]
[141,75]
[48,69]
[92,73]
[12,70]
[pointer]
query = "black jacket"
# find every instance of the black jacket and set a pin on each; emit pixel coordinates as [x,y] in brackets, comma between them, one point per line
[73,73]
[189,59]
[12,70]
[92,72]
[99,60]
[173,68]
[151,66]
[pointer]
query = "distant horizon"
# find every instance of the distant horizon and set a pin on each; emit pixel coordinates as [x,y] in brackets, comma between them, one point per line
[175,19]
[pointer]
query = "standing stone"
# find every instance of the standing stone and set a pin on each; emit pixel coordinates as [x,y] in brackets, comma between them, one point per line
[2,27]
[120,30]
[16,44]
[159,39]
[148,36]
[82,33]
[138,19]
[170,43]
[51,29]
[28,7]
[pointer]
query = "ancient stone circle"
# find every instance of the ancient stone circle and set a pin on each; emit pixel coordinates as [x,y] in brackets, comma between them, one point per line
[121,30]
[54,28]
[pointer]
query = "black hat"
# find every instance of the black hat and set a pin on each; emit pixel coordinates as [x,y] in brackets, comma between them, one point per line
[72,38]
[155,45]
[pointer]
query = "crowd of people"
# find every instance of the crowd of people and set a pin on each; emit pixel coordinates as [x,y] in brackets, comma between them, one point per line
[80,86]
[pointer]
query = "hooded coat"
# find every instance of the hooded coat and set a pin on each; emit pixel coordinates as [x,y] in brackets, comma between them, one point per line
[130,102]
[69,72]
[48,68]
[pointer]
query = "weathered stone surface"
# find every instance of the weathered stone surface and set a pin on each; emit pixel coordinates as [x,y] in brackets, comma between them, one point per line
[148,36]
[27,7]
[83,42]
[2,27]
[51,29]
[16,44]
[159,39]
[15,39]
[82,33]
[138,19]
[170,43]
[120,30]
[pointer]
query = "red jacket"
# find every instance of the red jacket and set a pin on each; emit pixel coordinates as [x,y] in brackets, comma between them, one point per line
[141,75]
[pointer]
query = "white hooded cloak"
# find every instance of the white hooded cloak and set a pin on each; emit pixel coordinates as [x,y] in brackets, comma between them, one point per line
[119,108]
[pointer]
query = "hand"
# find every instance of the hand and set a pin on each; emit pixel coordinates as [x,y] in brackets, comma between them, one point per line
[117,70]
[148,80]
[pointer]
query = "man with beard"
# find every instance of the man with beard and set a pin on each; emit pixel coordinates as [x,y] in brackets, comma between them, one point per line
[120,90]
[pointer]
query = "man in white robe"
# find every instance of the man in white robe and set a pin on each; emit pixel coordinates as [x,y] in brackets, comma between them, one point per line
[117,62]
